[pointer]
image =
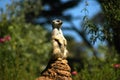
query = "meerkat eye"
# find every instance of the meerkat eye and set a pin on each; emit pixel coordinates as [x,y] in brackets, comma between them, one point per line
[58,20]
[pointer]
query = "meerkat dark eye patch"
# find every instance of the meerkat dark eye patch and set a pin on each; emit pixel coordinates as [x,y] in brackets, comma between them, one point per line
[58,21]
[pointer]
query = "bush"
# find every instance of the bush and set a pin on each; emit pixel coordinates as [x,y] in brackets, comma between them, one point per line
[99,70]
[24,50]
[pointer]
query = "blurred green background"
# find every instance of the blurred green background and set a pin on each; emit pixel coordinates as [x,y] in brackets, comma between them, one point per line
[25,38]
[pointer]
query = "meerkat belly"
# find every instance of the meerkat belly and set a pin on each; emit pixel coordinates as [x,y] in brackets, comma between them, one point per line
[59,51]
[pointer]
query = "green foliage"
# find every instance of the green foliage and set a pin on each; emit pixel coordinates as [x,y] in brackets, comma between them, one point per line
[99,70]
[91,29]
[25,54]
[106,68]
[109,29]
[111,10]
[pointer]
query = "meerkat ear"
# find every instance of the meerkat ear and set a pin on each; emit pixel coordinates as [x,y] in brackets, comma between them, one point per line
[52,22]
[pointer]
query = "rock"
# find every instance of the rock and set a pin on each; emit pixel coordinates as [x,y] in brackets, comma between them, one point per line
[56,70]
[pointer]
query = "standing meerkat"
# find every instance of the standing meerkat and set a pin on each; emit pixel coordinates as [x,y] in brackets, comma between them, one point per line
[58,40]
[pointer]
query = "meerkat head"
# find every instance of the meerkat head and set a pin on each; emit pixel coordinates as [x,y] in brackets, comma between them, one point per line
[57,23]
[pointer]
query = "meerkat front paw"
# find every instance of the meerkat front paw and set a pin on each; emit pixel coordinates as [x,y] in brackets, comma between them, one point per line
[65,42]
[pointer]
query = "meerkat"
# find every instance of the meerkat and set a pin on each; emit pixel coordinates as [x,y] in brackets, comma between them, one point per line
[58,40]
